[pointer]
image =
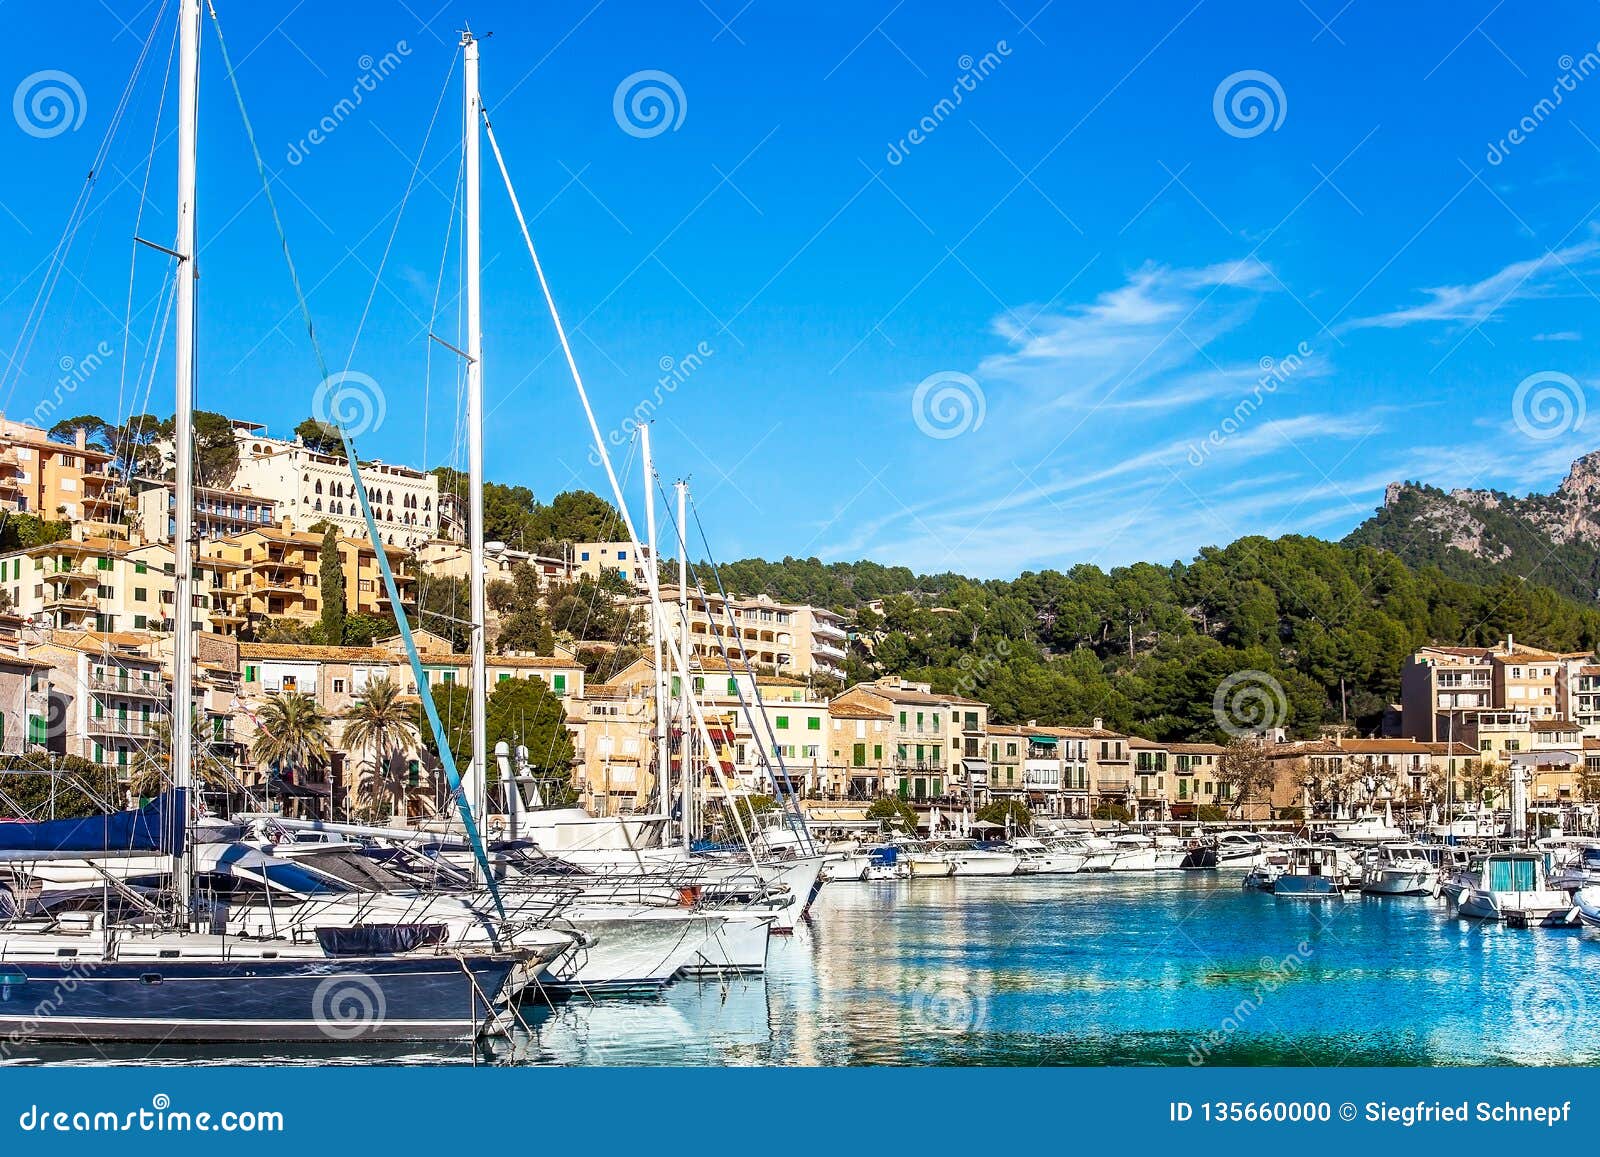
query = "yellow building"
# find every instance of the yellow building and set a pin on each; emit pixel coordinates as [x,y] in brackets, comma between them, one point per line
[53,480]
[105,584]
[275,573]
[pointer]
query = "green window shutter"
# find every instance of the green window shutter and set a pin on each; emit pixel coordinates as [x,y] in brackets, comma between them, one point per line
[503,677]
[877,753]
[783,723]
[813,724]
[733,686]
[249,674]
[139,568]
[561,683]
[902,721]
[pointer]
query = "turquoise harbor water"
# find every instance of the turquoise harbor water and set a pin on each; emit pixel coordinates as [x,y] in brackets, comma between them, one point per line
[1173,969]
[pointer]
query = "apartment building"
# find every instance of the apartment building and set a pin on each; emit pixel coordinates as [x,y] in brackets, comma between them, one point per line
[790,639]
[24,703]
[274,572]
[1578,694]
[308,486]
[101,584]
[937,740]
[1194,783]
[1526,678]
[1110,767]
[52,479]
[1497,734]
[594,559]
[218,512]
[108,696]
[613,729]
[453,560]
[1008,766]
[1438,683]
[859,764]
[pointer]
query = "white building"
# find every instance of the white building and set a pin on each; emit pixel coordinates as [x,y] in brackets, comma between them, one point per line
[309,487]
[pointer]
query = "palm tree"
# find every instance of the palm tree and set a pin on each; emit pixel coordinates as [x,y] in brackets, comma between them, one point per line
[382,723]
[292,731]
[152,769]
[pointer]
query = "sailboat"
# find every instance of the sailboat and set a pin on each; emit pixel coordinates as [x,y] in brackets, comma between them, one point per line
[169,972]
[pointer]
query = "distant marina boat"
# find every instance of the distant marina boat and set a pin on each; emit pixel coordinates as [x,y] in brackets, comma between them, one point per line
[1511,887]
[1314,872]
[1399,869]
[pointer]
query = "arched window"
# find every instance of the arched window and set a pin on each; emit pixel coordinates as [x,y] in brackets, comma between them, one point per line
[319,489]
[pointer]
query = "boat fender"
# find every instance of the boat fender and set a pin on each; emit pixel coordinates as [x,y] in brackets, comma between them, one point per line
[689,896]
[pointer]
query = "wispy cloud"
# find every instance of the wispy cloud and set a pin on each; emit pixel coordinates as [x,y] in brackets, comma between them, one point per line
[1563,335]
[1476,301]
[1129,338]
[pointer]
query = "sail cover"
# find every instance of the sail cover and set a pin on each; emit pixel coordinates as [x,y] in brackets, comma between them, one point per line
[157,828]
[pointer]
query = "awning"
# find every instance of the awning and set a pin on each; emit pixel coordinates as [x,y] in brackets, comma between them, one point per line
[1043,740]
[976,765]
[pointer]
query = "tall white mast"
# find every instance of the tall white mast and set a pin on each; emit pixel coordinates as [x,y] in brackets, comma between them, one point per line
[478,772]
[686,686]
[183,423]
[652,584]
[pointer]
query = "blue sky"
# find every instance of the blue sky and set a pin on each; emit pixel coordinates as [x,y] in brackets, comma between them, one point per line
[1180,318]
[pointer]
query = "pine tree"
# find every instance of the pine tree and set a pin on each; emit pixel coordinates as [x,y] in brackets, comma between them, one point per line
[330,566]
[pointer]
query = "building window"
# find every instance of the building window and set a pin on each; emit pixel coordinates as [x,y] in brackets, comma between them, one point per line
[560,684]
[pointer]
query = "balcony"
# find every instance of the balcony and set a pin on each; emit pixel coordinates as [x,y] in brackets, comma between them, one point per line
[827,651]
[1112,786]
[152,688]
[119,728]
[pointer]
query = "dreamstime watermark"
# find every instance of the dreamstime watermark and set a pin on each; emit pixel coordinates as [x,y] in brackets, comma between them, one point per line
[1548,404]
[674,372]
[1248,703]
[1546,1008]
[74,372]
[973,73]
[347,1007]
[352,401]
[1276,973]
[1274,372]
[1248,103]
[648,103]
[1573,73]
[948,1005]
[948,404]
[158,1117]
[975,670]
[14,986]
[48,103]
[373,73]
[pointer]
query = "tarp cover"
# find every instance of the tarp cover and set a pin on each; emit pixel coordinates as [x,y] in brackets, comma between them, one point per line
[158,827]
[378,939]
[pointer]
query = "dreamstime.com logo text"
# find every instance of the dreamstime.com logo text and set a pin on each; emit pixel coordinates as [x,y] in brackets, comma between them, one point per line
[159,1117]
[373,73]
[1274,372]
[973,73]
[674,372]
[1573,73]
[74,372]
[1274,975]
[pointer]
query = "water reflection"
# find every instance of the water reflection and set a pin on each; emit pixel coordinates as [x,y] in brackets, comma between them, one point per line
[1174,969]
